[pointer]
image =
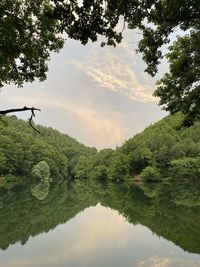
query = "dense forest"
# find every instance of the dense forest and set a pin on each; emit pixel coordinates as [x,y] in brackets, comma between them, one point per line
[163,150]
[166,148]
[21,148]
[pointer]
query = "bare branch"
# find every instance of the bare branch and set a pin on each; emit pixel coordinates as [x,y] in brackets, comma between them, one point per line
[4,112]
[31,119]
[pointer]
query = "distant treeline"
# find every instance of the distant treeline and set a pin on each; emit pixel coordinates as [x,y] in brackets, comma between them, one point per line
[165,149]
[21,148]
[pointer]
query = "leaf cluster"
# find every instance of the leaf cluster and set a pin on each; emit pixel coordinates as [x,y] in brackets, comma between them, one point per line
[27,37]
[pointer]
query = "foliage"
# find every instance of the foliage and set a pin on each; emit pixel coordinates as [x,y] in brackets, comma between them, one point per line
[118,168]
[40,191]
[140,158]
[179,89]
[41,171]
[31,29]
[106,165]
[167,145]
[21,148]
[36,23]
[187,195]
[155,19]
[163,143]
[150,174]
[185,167]
[83,167]
[28,36]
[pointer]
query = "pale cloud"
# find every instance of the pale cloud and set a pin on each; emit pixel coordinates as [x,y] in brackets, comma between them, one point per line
[114,74]
[104,129]
[115,70]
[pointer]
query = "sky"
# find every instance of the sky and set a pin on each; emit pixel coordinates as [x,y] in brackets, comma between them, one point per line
[99,96]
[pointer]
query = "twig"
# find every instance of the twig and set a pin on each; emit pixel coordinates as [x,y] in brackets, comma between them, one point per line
[4,112]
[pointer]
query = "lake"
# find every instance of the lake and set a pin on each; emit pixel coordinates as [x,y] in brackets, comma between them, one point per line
[91,224]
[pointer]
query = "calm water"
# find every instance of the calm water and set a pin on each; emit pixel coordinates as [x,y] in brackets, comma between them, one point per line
[88,224]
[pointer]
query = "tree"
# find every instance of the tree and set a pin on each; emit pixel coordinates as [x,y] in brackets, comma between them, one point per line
[150,174]
[155,19]
[140,158]
[41,171]
[83,167]
[27,36]
[29,32]
[185,167]
[118,168]
[179,90]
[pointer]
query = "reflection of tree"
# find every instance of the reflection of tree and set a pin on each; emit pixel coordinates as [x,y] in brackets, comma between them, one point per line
[187,195]
[22,215]
[42,172]
[154,206]
[41,190]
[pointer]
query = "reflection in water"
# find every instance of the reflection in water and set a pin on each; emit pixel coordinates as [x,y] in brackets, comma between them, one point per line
[40,190]
[167,262]
[42,172]
[100,236]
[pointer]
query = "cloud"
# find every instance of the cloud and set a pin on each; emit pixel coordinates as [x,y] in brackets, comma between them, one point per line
[77,118]
[116,69]
[104,128]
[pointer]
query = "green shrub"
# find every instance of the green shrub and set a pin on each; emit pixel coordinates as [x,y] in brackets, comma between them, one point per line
[150,174]
[185,167]
[41,171]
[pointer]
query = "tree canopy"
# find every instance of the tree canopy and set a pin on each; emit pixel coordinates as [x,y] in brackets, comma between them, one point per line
[180,88]
[27,36]
[30,30]
[165,149]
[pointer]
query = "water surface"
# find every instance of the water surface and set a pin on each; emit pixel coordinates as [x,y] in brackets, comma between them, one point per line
[90,224]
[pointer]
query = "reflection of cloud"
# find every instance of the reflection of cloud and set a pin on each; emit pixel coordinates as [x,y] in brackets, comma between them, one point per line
[96,229]
[20,263]
[154,262]
[167,262]
[114,71]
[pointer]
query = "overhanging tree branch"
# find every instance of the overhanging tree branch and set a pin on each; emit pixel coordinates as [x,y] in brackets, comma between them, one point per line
[4,112]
